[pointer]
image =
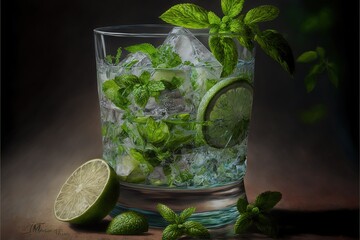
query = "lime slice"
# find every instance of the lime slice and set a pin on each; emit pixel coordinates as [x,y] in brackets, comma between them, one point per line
[225,111]
[128,223]
[88,195]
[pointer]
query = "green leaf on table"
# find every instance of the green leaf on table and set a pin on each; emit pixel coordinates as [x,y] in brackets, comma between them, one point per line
[225,51]
[261,14]
[118,56]
[241,205]
[186,213]
[243,223]
[267,200]
[275,45]
[187,15]
[307,57]
[168,214]
[172,232]
[266,225]
[196,229]
[232,8]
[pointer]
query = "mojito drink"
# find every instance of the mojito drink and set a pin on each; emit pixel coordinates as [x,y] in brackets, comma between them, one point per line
[173,122]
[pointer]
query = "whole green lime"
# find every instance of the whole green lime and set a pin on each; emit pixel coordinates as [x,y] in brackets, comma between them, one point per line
[128,223]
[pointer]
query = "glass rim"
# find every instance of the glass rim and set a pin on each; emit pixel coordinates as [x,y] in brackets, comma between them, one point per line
[152,30]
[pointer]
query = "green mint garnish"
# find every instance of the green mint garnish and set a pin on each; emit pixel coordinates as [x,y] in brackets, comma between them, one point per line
[257,215]
[261,14]
[232,8]
[238,23]
[114,60]
[162,57]
[323,64]
[186,15]
[178,226]
[142,88]
[275,45]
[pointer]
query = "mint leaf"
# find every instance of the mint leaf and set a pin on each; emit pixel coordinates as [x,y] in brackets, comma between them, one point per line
[225,51]
[146,166]
[331,71]
[118,56]
[168,214]
[320,51]
[113,92]
[241,205]
[165,57]
[267,200]
[261,14]
[141,95]
[246,35]
[275,45]
[266,225]
[307,57]
[146,48]
[243,223]
[126,80]
[195,229]
[310,82]
[213,18]
[145,77]
[313,114]
[154,132]
[186,213]
[232,8]
[156,86]
[172,232]
[186,15]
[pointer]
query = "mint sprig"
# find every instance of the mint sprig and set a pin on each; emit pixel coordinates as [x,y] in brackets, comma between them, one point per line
[161,57]
[257,215]
[234,23]
[178,224]
[320,64]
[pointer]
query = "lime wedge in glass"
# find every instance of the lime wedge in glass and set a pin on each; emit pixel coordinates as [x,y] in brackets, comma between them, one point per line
[88,195]
[224,113]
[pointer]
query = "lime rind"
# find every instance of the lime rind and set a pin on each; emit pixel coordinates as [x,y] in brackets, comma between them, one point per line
[80,204]
[225,111]
[128,223]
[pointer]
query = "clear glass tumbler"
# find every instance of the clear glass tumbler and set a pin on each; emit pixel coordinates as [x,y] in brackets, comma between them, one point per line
[174,119]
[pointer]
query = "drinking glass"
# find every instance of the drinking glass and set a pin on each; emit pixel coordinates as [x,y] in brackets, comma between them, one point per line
[175,120]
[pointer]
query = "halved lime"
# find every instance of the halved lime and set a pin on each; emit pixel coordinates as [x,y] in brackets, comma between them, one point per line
[89,194]
[225,113]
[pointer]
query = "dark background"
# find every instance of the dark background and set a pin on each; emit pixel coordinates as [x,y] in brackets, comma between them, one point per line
[50,114]
[48,56]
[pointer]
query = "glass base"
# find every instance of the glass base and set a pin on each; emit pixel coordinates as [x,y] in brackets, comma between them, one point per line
[215,207]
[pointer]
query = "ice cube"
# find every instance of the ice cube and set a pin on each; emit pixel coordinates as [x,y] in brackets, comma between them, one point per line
[135,63]
[191,49]
[204,66]
[157,177]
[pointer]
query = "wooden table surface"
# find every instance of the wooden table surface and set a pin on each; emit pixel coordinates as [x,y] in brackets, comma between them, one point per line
[319,182]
